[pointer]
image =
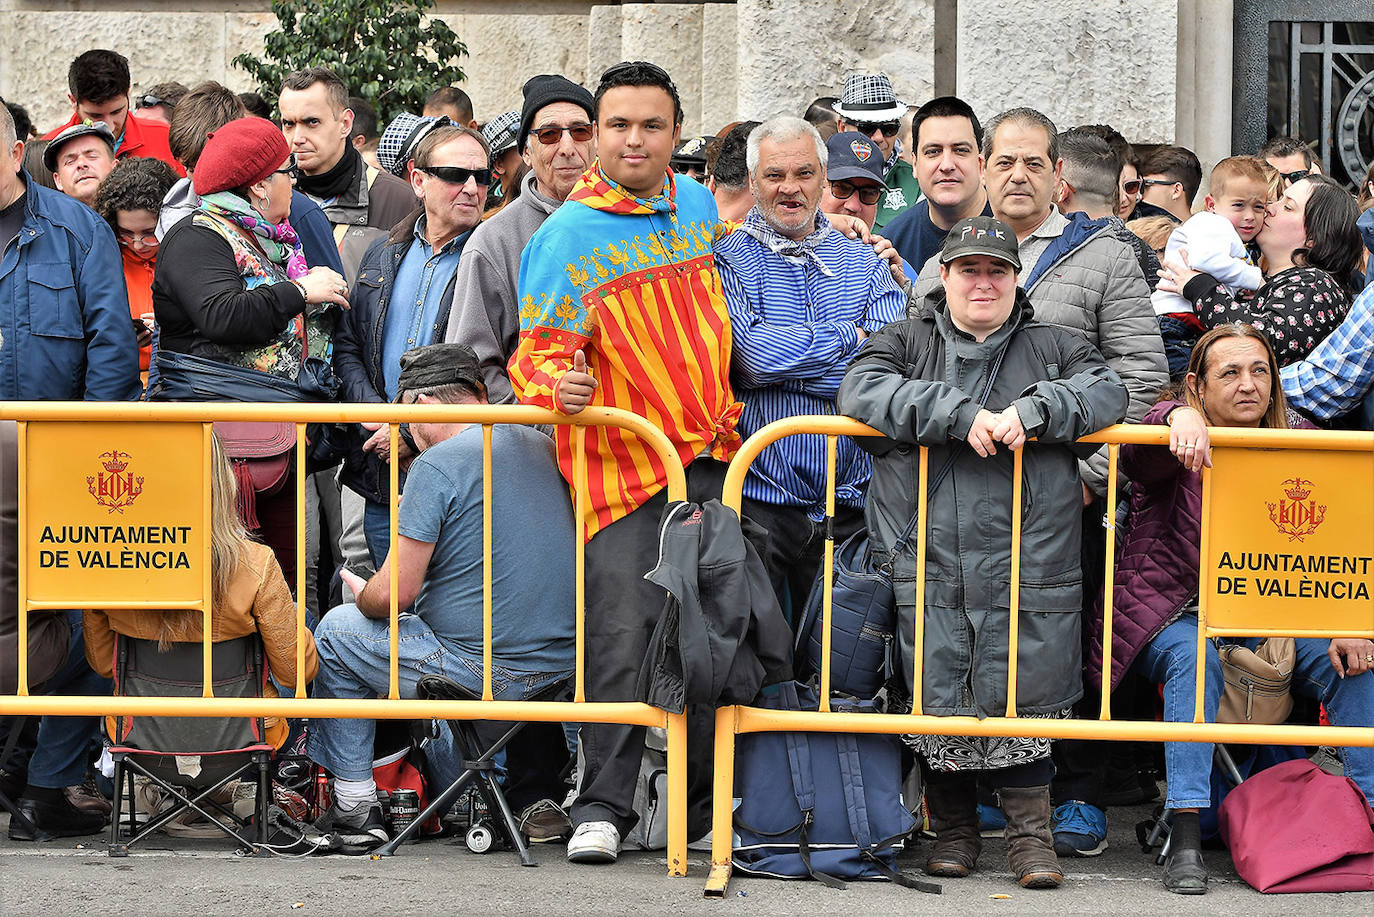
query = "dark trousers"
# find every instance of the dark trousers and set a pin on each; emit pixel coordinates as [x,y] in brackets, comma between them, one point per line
[1032,773]
[622,609]
[59,756]
[1081,764]
[536,761]
[796,547]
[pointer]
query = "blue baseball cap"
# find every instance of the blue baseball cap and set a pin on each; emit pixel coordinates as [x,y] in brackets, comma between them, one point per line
[852,155]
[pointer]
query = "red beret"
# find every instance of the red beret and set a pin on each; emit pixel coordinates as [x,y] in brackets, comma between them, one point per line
[239,154]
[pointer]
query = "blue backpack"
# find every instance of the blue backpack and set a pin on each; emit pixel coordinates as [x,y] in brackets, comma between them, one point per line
[839,816]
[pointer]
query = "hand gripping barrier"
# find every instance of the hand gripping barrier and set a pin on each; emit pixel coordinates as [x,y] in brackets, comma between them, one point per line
[1291,458]
[73,438]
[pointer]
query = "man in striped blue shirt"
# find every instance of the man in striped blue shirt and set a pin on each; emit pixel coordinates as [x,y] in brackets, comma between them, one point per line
[803,299]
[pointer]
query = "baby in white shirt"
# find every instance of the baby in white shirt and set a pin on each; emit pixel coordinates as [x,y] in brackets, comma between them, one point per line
[1215,238]
[1214,241]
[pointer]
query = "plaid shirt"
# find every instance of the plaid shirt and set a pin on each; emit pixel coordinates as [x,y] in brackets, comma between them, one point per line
[1333,379]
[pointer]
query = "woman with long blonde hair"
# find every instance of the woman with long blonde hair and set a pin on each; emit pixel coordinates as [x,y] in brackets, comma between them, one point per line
[248,594]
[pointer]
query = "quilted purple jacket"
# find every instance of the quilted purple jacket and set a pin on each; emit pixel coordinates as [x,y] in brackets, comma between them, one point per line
[1157,562]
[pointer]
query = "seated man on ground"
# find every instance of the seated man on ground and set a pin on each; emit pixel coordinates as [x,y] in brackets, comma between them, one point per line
[439,556]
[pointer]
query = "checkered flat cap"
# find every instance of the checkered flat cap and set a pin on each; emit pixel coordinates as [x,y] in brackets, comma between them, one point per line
[869,98]
[501,132]
[396,138]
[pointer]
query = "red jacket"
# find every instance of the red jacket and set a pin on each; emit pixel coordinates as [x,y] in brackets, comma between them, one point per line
[142,137]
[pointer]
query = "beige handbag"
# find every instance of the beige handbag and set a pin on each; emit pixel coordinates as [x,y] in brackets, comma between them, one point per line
[1257,682]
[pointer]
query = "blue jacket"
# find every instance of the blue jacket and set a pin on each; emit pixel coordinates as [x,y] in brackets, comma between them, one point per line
[1366,227]
[64,311]
[358,345]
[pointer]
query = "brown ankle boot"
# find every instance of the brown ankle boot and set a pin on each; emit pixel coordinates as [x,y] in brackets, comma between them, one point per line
[953,802]
[1030,845]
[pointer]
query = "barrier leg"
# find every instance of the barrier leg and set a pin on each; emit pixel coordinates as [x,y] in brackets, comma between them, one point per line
[723,804]
[677,794]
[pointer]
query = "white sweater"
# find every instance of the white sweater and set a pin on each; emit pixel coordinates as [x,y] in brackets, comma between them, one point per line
[1214,247]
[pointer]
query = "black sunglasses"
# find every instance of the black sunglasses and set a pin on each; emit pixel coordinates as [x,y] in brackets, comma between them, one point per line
[1147,182]
[457,175]
[889,128]
[149,101]
[1291,177]
[551,135]
[869,195]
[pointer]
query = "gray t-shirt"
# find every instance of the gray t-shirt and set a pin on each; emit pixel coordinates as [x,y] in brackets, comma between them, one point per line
[533,573]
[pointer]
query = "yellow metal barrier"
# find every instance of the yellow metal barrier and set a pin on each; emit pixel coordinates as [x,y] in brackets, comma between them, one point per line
[73,427]
[1233,618]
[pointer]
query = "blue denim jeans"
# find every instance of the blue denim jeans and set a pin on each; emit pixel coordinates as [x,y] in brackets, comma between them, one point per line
[59,757]
[1168,660]
[353,651]
[377,531]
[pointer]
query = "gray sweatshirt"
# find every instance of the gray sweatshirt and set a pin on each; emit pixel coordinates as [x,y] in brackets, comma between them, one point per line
[485,313]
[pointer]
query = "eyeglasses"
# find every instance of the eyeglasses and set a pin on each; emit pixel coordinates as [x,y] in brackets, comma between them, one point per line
[457,175]
[1132,186]
[868,194]
[292,170]
[128,237]
[551,135]
[1147,182]
[1291,177]
[150,101]
[889,128]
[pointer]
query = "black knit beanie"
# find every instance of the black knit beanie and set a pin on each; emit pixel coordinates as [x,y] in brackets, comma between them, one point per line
[545,89]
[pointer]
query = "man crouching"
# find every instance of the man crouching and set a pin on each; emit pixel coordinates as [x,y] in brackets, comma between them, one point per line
[439,555]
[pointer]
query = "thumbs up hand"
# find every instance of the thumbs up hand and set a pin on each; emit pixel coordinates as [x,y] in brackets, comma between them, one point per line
[575,388]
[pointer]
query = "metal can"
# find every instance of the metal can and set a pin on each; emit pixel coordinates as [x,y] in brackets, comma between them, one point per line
[404,808]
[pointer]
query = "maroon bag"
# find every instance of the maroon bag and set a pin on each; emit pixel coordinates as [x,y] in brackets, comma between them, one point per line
[260,453]
[1295,828]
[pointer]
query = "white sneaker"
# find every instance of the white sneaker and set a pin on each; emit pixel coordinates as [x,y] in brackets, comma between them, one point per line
[594,842]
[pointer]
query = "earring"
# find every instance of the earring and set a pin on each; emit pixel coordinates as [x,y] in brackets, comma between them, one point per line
[266,202]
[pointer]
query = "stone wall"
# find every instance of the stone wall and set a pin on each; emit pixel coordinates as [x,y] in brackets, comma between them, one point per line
[1156,69]
[1094,61]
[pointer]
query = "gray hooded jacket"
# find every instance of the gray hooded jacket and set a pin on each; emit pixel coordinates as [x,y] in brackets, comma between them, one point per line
[918,382]
[485,314]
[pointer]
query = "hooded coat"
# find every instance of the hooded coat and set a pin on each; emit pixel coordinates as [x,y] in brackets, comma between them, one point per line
[919,381]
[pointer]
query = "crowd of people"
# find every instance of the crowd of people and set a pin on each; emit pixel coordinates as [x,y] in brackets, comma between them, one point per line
[954,283]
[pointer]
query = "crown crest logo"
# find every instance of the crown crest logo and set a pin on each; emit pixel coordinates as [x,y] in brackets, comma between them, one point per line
[116,487]
[1297,489]
[1297,516]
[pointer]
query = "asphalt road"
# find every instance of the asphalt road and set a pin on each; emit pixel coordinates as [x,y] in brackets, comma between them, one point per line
[203,878]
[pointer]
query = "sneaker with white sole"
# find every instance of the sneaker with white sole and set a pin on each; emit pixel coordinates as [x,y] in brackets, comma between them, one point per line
[1080,830]
[594,842]
[354,831]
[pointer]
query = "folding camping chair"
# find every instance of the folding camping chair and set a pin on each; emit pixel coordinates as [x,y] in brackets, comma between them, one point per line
[479,764]
[189,758]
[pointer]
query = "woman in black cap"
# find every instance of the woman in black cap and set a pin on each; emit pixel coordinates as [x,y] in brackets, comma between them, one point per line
[972,377]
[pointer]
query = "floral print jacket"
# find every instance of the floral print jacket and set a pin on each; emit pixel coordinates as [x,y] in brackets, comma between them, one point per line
[1297,308]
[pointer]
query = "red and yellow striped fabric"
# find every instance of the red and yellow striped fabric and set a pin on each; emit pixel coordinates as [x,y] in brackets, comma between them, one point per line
[637,291]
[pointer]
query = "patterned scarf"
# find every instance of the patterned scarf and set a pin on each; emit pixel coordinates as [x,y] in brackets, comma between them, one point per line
[277,240]
[601,193]
[795,250]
